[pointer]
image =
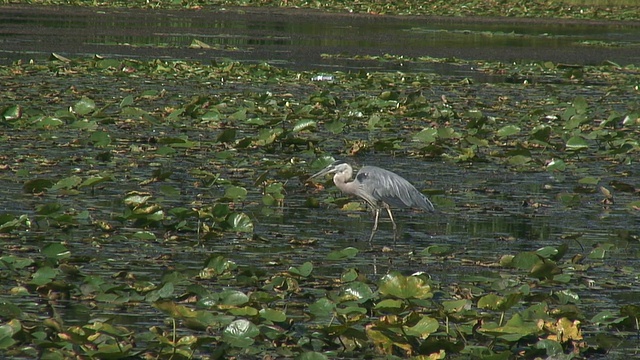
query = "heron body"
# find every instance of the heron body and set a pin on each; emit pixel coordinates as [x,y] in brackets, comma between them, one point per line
[379,188]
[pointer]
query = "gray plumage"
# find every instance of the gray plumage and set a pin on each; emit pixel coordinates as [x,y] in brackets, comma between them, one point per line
[379,188]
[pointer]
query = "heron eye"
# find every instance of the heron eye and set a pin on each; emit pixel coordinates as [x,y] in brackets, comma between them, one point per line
[362,176]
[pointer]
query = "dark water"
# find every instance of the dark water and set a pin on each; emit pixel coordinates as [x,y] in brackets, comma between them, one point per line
[298,38]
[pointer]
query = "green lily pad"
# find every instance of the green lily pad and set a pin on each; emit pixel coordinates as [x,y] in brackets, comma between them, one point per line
[244,311]
[273,315]
[233,297]
[43,276]
[453,306]
[390,304]
[346,253]
[37,185]
[322,308]
[336,127]
[404,287]
[84,107]
[100,138]
[56,251]
[144,235]
[174,310]
[577,143]
[357,291]
[589,180]
[67,183]
[95,180]
[126,101]
[235,193]
[515,329]
[226,136]
[426,136]
[240,222]
[303,270]
[48,209]
[607,317]
[48,122]
[240,333]
[508,130]
[11,113]
[552,348]
[423,328]
[557,165]
[525,260]
[312,355]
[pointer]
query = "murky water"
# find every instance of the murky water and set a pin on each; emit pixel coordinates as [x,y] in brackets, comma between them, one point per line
[298,38]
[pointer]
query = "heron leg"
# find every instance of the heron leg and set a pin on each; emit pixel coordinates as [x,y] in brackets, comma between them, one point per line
[375,223]
[395,227]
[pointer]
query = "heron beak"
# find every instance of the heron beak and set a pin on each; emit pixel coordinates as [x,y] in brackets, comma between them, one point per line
[322,172]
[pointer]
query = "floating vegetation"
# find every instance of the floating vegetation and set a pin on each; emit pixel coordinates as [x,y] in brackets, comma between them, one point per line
[123,174]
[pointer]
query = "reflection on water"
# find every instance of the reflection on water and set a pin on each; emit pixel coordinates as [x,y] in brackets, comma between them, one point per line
[297,39]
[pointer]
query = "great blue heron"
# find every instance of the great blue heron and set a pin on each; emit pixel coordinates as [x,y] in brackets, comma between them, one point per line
[379,188]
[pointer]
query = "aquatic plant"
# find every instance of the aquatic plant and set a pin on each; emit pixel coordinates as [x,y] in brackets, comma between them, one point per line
[138,220]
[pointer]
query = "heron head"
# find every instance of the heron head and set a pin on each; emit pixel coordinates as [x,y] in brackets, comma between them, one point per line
[335,167]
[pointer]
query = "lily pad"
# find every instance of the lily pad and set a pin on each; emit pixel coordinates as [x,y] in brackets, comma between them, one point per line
[346,253]
[84,107]
[404,287]
[577,143]
[240,222]
[240,333]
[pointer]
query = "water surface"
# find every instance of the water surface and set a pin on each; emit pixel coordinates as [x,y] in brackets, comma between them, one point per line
[297,38]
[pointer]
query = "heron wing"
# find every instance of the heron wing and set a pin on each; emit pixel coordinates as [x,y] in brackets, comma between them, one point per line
[385,186]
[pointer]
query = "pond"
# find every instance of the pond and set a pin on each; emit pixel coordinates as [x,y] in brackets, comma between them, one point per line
[298,38]
[146,181]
